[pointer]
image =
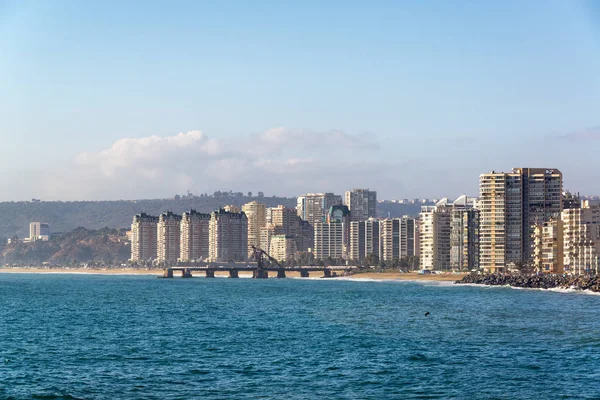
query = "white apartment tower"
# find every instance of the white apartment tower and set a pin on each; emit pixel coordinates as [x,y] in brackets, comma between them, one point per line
[434,236]
[362,204]
[328,240]
[168,237]
[143,237]
[364,239]
[399,238]
[194,236]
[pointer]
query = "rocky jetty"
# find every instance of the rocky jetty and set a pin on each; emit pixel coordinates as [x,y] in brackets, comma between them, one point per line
[547,281]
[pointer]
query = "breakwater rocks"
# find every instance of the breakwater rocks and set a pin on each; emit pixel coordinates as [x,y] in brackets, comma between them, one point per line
[581,282]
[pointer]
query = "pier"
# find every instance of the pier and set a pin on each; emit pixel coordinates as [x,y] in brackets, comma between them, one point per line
[186,270]
[260,268]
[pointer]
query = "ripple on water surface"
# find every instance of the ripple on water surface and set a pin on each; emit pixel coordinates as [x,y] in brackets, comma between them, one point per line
[97,337]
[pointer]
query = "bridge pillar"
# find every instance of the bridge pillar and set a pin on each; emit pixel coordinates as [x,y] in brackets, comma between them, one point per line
[304,274]
[186,273]
[260,274]
[281,273]
[326,273]
[167,273]
[233,273]
[210,273]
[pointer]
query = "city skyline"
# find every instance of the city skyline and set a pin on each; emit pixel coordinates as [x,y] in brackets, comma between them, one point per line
[290,98]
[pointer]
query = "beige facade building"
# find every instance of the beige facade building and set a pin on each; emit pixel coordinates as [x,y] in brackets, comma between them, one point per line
[362,204]
[143,237]
[194,236]
[283,247]
[328,241]
[500,220]
[542,202]
[581,233]
[228,237]
[168,236]
[285,221]
[257,218]
[286,218]
[548,247]
[511,205]
[232,209]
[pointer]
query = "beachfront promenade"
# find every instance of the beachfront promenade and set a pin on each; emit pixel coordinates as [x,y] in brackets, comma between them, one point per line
[258,272]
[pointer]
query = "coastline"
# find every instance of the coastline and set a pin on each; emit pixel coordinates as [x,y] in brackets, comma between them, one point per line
[384,276]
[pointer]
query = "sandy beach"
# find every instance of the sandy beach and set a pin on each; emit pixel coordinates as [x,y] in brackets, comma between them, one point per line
[158,272]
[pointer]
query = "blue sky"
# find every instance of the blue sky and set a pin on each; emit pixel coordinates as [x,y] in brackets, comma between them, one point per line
[413,99]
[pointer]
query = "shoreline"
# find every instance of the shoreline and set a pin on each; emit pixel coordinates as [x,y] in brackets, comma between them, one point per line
[383,276]
[535,281]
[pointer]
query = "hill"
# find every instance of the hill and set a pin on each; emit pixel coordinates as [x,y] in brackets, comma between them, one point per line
[78,246]
[66,216]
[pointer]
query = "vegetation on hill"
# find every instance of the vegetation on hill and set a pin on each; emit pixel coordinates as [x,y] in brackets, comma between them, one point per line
[103,246]
[68,215]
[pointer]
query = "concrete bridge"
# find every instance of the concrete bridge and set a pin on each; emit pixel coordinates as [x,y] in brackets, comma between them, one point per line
[258,272]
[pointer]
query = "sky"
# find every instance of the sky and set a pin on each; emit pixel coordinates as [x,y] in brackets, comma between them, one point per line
[103,100]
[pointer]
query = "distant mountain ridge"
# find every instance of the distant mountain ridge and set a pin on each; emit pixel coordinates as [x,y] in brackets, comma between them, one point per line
[92,215]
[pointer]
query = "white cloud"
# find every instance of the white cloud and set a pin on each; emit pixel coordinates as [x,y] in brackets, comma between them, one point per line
[279,161]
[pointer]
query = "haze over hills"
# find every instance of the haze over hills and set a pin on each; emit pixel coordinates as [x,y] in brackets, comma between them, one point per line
[67,216]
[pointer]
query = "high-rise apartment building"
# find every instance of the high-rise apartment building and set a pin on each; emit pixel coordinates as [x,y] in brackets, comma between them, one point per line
[143,237]
[340,213]
[364,239]
[232,209]
[548,247]
[581,236]
[434,236]
[283,247]
[500,220]
[285,218]
[542,202]
[39,231]
[284,221]
[313,207]
[228,238]
[399,238]
[464,234]
[511,205]
[168,237]
[257,218]
[362,204]
[329,240]
[194,236]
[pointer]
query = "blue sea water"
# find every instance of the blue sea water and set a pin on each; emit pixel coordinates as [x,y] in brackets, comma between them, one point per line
[128,337]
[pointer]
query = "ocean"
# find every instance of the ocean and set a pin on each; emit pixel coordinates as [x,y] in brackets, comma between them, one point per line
[139,337]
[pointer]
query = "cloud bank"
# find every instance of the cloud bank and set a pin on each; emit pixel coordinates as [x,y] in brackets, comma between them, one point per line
[278,161]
